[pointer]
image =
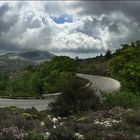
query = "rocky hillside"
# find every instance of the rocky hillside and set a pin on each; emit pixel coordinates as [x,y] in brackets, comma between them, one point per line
[17,60]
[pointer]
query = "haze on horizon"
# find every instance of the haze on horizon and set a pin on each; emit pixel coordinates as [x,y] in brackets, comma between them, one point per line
[74,28]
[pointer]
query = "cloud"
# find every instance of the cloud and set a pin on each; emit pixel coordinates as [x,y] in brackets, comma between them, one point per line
[68,27]
[3,9]
[6,20]
[8,46]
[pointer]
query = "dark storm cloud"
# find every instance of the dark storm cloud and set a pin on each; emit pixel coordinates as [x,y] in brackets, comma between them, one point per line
[97,8]
[3,9]
[130,8]
[114,28]
[5,26]
[6,22]
[9,46]
[116,25]
[4,45]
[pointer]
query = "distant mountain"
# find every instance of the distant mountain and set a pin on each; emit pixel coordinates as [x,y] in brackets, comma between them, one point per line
[36,55]
[17,60]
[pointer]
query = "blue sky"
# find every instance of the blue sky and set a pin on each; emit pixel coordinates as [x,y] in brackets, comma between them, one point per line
[62,19]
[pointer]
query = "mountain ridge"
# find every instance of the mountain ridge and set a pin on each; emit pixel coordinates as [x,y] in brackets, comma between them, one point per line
[13,61]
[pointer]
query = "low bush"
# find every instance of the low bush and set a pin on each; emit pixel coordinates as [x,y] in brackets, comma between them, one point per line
[35,135]
[122,99]
[75,99]
[34,113]
[125,66]
[61,133]
[93,135]
[133,116]
[83,120]
[12,133]
[27,116]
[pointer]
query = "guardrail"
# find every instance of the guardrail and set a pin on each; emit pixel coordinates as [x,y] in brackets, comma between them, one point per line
[53,95]
[44,96]
[18,97]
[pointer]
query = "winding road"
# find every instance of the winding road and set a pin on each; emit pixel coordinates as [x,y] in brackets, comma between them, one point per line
[104,84]
[26,103]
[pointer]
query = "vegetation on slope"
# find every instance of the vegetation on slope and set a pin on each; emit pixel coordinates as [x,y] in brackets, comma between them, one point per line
[118,114]
[16,61]
[77,114]
[98,65]
[75,99]
[49,77]
[125,66]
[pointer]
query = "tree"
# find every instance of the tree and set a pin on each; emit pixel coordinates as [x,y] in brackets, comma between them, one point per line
[63,63]
[3,81]
[36,84]
[74,99]
[125,65]
[76,58]
[108,54]
[47,77]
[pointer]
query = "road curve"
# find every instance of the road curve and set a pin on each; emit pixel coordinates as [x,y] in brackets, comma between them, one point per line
[103,84]
[26,103]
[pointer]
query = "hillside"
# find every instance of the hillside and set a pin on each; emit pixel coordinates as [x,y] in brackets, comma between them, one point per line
[36,55]
[77,113]
[98,65]
[18,60]
[125,66]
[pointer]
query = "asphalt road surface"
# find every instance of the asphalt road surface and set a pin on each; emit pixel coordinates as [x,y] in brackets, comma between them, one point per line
[39,104]
[104,84]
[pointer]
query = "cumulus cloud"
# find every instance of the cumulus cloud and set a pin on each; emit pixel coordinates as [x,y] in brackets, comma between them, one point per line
[68,27]
[120,17]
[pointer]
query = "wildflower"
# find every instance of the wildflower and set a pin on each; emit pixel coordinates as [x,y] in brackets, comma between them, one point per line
[42,123]
[47,134]
[79,136]
[13,133]
[59,118]
[62,123]
[107,123]
[49,117]
[54,120]
[54,126]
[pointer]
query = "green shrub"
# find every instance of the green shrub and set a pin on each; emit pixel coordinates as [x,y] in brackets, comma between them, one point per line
[12,108]
[63,63]
[46,78]
[61,133]
[137,130]
[35,135]
[48,123]
[27,116]
[75,99]
[94,135]
[34,113]
[122,99]
[83,120]
[133,116]
[125,66]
